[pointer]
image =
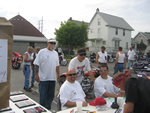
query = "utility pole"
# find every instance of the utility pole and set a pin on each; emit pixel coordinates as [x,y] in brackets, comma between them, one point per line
[40,25]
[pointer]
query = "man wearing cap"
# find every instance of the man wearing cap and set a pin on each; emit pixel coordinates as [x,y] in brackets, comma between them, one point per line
[103,86]
[101,57]
[81,64]
[137,94]
[71,91]
[131,57]
[46,66]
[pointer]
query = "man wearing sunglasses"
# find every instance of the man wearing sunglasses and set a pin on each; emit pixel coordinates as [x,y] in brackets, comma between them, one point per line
[81,64]
[103,86]
[46,66]
[71,91]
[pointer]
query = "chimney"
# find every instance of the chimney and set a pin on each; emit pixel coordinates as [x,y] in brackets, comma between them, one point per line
[97,10]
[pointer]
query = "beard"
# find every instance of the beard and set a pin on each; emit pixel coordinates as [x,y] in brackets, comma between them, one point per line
[52,47]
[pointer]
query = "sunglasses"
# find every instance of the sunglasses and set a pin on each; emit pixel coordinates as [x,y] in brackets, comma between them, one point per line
[52,43]
[72,74]
[83,54]
[103,70]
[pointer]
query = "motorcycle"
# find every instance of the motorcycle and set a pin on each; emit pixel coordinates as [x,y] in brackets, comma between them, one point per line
[62,61]
[87,83]
[111,58]
[16,61]
[140,67]
[92,57]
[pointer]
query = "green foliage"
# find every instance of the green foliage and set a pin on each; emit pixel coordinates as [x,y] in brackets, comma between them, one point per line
[141,46]
[71,35]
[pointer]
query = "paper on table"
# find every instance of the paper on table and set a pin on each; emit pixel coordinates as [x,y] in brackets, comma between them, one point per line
[3,60]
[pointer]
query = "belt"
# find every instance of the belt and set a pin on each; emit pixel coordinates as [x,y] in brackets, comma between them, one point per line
[120,63]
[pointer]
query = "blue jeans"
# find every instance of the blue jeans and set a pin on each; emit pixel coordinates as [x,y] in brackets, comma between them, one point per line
[119,67]
[130,61]
[26,71]
[33,75]
[46,93]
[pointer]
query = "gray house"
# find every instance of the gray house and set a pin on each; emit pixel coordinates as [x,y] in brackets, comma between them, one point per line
[25,34]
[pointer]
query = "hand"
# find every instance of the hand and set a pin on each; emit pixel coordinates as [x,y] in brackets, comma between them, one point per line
[114,67]
[37,77]
[32,67]
[121,93]
[30,60]
[58,78]
[84,103]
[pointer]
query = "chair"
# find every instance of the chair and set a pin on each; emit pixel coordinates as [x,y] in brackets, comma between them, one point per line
[58,103]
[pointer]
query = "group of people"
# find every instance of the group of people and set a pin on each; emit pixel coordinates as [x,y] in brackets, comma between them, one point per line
[121,84]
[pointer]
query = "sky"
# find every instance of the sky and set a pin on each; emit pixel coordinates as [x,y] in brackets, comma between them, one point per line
[135,12]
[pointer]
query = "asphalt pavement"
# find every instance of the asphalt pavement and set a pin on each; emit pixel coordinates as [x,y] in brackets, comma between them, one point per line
[17,83]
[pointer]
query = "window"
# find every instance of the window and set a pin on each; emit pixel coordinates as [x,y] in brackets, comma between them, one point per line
[104,42]
[126,45]
[99,30]
[32,44]
[99,21]
[117,44]
[123,32]
[116,31]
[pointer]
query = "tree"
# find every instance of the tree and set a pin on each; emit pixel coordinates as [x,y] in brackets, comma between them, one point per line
[71,35]
[141,46]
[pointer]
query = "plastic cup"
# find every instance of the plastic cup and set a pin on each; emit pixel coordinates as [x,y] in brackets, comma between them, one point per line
[79,106]
[120,101]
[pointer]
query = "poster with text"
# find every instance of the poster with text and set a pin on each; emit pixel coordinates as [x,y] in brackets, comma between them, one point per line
[3,60]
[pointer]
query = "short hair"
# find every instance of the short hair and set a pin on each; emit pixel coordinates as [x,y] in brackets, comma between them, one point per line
[120,48]
[38,48]
[29,47]
[104,65]
[103,47]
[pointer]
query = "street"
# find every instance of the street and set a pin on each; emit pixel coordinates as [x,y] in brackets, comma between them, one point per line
[17,83]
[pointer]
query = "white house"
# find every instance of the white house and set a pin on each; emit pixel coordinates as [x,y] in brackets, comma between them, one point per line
[109,31]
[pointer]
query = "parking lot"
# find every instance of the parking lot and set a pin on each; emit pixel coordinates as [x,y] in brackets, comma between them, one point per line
[17,83]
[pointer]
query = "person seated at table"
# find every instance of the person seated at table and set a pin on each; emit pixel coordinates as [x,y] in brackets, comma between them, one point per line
[103,86]
[71,91]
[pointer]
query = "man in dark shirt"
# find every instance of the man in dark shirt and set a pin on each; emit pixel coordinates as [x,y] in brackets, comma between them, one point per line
[137,91]
[148,56]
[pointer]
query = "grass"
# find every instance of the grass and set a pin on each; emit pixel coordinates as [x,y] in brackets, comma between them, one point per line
[69,57]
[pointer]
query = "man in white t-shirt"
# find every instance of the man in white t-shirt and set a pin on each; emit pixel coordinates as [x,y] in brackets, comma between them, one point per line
[131,57]
[81,64]
[103,86]
[101,57]
[71,91]
[46,66]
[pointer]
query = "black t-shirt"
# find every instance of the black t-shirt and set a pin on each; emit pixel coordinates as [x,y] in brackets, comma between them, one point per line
[148,54]
[138,92]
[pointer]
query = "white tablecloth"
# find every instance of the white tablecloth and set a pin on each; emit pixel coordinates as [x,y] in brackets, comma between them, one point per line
[20,110]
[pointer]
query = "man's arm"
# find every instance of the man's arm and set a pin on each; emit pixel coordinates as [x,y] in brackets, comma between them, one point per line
[57,70]
[26,57]
[97,56]
[73,104]
[91,76]
[36,73]
[129,107]
[125,62]
[106,94]
[117,56]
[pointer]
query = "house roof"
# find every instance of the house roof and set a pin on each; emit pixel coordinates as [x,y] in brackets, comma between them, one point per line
[77,22]
[28,38]
[24,28]
[113,21]
[147,35]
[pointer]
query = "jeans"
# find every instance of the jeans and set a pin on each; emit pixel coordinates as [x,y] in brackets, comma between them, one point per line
[46,93]
[26,71]
[130,61]
[148,59]
[119,67]
[33,75]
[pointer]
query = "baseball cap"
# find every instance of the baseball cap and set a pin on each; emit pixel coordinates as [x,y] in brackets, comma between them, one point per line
[81,51]
[130,48]
[51,40]
[98,101]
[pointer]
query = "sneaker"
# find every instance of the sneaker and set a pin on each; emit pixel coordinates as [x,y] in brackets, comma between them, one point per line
[27,89]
